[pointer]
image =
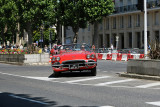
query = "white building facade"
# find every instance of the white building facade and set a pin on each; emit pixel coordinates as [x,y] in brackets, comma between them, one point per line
[126,23]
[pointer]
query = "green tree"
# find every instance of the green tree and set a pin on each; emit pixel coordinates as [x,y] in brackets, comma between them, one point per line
[7,18]
[17,15]
[35,12]
[46,33]
[77,13]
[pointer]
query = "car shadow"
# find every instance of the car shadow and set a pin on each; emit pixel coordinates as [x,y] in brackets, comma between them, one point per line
[72,74]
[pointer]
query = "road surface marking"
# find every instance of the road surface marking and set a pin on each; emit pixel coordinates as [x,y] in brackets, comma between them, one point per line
[87,79]
[37,78]
[157,103]
[11,74]
[114,82]
[106,106]
[41,78]
[28,99]
[149,85]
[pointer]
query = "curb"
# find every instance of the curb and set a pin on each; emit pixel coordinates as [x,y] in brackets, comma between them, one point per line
[37,64]
[138,76]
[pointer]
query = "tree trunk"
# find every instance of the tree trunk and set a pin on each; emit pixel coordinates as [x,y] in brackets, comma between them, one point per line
[3,37]
[95,35]
[13,34]
[30,33]
[75,30]
[59,33]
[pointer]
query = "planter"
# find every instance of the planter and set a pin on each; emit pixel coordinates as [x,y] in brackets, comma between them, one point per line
[24,59]
[144,67]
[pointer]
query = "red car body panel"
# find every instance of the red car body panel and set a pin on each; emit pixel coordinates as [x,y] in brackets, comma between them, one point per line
[74,60]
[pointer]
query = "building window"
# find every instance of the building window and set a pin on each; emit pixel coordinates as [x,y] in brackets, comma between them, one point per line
[107,23]
[130,40]
[114,23]
[100,26]
[138,20]
[148,19]
[157,36]
[156,18]
[129,21]
[121,3]
[88,27]
[83,38]
[83,29]
[121,22]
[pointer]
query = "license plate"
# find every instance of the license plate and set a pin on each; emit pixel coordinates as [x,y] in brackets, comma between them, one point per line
[75,66]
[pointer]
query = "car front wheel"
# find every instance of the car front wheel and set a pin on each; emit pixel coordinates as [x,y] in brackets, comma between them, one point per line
[94,71]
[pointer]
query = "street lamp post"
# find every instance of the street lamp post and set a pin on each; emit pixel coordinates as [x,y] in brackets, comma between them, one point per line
[50,38]
[62,34]
[41,35]
[145,29]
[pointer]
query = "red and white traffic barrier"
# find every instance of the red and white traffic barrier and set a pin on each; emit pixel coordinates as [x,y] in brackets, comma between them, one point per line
[109,56]
[104,56]
[136,56]
[114,56]
[118,56]
[124,57]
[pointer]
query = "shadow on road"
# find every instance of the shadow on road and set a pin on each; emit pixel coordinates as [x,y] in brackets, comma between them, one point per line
[72,74]
[24,100]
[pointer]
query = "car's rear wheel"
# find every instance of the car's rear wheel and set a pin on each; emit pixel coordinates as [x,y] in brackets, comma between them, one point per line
[94,71]
[56,74]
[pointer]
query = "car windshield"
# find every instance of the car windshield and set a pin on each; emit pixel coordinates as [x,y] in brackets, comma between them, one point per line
[75,47]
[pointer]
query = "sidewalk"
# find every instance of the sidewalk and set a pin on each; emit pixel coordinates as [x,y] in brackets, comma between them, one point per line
[130,75]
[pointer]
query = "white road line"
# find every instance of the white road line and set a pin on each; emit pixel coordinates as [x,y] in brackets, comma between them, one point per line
[149,85]
[11,74]
[157,103]
[37,78]
[87,79]
[106,106]
[28,99]
[41,78]
[114,82]
[105,71]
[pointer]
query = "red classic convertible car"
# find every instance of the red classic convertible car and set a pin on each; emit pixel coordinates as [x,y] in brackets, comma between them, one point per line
[74,57]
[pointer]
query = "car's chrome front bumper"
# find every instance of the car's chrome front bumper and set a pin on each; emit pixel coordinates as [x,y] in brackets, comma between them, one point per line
[74,65]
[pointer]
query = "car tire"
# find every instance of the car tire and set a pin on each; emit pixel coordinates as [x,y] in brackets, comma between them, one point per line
[94,71]
[56,74]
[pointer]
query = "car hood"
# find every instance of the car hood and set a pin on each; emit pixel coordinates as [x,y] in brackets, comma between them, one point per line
[74,55]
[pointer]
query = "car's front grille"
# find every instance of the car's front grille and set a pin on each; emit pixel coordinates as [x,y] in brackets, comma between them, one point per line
[74,62]
[67,64]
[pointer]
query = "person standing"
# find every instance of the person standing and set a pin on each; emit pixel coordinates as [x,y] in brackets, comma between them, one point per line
[45,48]
[112,46]
[93,47]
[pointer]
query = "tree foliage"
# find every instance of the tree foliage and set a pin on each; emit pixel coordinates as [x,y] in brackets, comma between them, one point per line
[46,34]
[77,13]
[29,14]
[7,17]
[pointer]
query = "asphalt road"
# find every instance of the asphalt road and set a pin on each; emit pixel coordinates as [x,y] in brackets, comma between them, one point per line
[35,86]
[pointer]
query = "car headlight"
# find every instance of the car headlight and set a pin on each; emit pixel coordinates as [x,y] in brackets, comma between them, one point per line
[53,58]
[88,56]
[58,58]
[92,56]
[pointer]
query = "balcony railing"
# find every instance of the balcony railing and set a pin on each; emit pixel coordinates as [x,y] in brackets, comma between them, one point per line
[131,8]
